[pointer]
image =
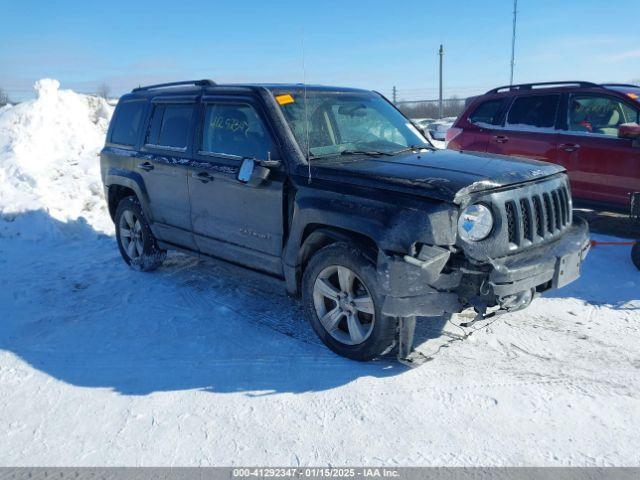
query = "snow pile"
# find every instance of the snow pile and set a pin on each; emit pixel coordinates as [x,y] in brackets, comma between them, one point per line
[49,168]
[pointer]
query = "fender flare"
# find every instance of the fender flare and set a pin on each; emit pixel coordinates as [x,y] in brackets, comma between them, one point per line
[131,180]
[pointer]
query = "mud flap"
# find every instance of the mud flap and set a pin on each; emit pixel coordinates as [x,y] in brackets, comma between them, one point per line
[406,331]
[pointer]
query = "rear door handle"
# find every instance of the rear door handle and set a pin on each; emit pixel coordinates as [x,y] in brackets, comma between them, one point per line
[569,147]
[501,138]
[204,177]
[146,166]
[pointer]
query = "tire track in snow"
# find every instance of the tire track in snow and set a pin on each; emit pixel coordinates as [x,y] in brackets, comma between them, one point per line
[209,287]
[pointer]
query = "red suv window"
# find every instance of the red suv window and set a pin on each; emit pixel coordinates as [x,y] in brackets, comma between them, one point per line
[538,111]
[487,112]
[599,114]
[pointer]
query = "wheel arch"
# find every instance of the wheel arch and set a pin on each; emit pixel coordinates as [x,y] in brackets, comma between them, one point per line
[122,184]
[317,236]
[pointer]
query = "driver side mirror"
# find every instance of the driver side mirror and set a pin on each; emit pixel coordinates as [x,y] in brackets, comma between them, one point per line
[630,131]
[254,172]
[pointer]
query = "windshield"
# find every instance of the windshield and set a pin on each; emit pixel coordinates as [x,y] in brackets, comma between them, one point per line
[347,122]
[631,92]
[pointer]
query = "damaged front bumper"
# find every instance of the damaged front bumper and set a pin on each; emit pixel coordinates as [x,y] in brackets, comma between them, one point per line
[437,281]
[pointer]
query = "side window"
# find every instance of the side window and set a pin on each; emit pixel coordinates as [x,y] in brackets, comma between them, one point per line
[487,112]
[533,112]
[169,126]
[599,114]
[128,122]
[236,130]
[154,125]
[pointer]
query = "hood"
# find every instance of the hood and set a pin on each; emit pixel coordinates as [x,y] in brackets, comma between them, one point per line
[446,175]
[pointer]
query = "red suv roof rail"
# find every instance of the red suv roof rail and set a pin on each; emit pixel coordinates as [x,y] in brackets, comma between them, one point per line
[529,86]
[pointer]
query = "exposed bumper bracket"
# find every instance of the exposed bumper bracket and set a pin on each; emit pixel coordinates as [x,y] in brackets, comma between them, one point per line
[406,331]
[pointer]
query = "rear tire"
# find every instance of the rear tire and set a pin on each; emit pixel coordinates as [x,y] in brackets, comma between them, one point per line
[341,298]
[136,242]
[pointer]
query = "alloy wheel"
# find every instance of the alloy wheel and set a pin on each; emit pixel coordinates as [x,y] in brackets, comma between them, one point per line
[344,305]
[131,234]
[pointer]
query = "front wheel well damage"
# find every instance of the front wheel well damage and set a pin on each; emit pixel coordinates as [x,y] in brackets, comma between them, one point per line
[317,236]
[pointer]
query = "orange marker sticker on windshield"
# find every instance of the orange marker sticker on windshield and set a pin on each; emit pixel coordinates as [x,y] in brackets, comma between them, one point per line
[284,99]
[632,95]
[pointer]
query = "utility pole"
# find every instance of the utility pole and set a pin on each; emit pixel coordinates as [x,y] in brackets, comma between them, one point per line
[395,95]
[513,40]
[440,106]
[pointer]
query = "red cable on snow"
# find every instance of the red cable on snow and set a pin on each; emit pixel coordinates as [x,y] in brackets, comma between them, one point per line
[596,242]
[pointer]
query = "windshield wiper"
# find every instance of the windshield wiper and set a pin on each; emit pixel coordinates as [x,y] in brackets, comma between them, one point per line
[413,147]
[371,153]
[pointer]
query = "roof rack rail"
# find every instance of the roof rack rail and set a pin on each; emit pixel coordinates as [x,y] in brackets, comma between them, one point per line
[619,85]
[529,86]
[198,83]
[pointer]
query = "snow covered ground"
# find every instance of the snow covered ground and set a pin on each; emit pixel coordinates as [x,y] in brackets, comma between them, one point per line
[201,363]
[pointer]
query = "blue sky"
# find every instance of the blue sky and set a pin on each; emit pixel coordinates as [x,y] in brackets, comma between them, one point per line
[372,44]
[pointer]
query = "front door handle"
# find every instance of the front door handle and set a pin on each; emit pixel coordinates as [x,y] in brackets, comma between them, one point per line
[146,166]
[569,147]
[501,139]
[204,177]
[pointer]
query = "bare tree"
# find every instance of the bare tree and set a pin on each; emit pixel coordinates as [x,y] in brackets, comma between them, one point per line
[4,98]
[452,107]
[104,90]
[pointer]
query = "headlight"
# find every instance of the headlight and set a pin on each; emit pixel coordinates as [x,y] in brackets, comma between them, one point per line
[475,223]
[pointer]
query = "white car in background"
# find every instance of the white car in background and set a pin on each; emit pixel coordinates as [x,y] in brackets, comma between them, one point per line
[438,129]
[435,130]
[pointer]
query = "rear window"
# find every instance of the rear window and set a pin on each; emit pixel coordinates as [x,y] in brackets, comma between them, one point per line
[487,112]
[534,112]
[169,126]
[128,122]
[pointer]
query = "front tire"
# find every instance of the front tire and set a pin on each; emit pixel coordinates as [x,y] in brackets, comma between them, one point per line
[342,302]
[136,242]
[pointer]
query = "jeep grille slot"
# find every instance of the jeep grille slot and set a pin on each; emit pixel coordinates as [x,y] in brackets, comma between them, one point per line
[537,209]
[556,209]
[511,221]
[548,212]
[538,217]
[525,208]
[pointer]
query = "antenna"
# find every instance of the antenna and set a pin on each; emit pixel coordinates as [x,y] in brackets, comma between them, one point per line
[306,114]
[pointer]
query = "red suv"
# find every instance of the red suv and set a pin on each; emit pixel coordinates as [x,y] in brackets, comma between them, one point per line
[591,130]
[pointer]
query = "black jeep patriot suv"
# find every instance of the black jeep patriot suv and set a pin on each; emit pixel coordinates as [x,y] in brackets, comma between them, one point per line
[337,193]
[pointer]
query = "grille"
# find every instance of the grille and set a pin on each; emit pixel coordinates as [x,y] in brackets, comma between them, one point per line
[537,217]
